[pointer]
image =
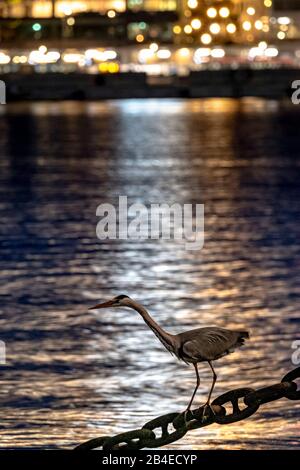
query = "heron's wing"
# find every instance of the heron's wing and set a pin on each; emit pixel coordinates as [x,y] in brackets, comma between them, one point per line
[211,343]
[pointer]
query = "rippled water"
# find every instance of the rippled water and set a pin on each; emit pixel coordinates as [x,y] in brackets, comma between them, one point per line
[72,374]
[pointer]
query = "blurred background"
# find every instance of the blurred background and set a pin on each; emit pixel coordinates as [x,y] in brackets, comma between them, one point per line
[123,48]
[197,129]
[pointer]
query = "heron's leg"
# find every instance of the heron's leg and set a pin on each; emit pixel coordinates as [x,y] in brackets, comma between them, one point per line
[213,383]
[207,404]
[196,388]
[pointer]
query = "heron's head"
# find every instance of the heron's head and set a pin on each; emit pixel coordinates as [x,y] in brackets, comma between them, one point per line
[119,301]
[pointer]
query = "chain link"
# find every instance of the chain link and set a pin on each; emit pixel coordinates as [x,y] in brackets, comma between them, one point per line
[171,427]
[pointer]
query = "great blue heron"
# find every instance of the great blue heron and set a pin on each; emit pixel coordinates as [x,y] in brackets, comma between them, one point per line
[199,345]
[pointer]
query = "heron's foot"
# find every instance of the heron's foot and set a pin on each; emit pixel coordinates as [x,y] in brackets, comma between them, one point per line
[208,406]
[187,415]
[208,411]
[184,417]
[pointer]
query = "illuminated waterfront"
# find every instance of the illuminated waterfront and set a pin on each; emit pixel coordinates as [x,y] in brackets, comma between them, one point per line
[158,37]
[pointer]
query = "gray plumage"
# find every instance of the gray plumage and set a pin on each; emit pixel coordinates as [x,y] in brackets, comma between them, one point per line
[201,344]
[209,343]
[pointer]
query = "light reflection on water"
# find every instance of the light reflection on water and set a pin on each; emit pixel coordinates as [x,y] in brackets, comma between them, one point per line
[72,374]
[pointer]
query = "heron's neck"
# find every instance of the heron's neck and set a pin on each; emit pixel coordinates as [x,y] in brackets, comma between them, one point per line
[165,338]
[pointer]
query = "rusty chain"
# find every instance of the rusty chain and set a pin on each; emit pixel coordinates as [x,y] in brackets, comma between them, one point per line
[174,426]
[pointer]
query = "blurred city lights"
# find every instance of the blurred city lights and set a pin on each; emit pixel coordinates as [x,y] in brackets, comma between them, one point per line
[231,28]
[251,11]
[19,59]
[71,21]
[153,46]
[200,54]
[192,3]
[254,52]
[145,54]
[247,25]
[36,27]
[72,57]
[111,13]
[4,58]
[163,54]
[188,29]
[43,49]
[108,67]
[224,12]
[271,52]
[203,52]
[100,55]
[284,20]
[258,25]
[42,57]
[217,53]
[263,45]
[184,52]
[215,28]
[211,12]
[109,55]
[206,38]
[196,23]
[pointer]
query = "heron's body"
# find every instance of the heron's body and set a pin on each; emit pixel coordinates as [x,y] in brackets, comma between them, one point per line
[199,345]
[208,343]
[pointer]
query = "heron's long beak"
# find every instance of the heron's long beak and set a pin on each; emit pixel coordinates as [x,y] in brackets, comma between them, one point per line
[103,305]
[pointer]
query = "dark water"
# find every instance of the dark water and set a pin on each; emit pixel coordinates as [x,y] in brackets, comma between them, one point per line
[72,374]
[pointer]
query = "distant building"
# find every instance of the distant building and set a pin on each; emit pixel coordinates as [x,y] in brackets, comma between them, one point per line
[286,5]
[215,22]
[77,22]
[80,23]
[60,8]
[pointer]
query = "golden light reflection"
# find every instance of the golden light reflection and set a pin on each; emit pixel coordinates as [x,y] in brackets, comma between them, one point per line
[77,358]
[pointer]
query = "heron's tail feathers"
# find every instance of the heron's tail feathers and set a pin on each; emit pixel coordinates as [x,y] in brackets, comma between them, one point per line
[241,338]
[244,334]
